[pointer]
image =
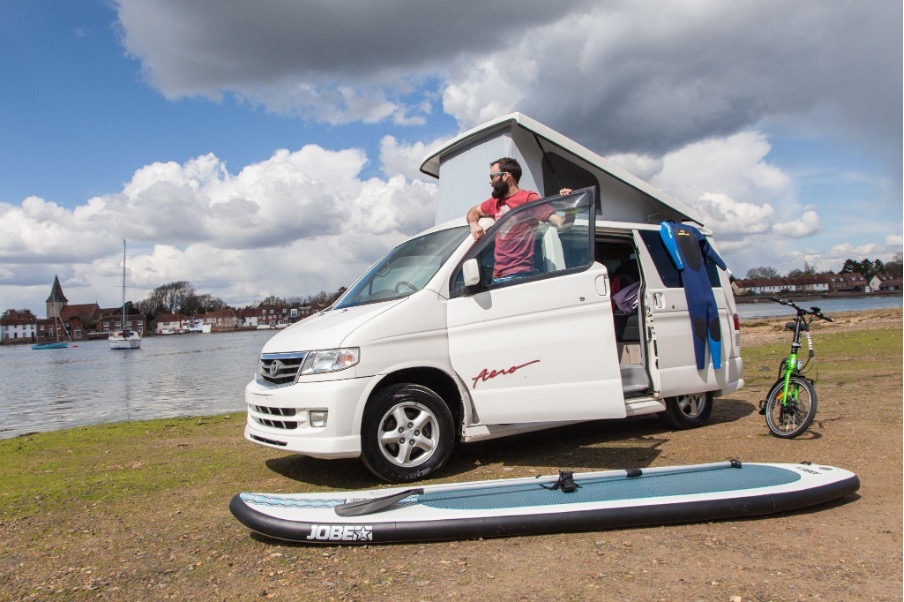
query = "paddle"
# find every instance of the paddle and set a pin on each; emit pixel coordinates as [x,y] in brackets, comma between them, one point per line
[375,505]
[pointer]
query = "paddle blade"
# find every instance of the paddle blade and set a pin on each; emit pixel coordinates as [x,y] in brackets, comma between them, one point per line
[375,505]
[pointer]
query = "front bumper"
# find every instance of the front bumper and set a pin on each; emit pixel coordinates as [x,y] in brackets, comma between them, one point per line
[280,417]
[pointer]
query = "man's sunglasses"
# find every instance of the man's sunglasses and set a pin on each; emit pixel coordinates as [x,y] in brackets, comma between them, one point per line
[493,176]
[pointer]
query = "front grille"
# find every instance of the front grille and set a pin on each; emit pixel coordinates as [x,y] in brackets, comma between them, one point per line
[277,413]
[280,368]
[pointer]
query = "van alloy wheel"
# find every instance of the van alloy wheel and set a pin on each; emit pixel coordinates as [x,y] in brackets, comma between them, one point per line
[407,433]
[687,411]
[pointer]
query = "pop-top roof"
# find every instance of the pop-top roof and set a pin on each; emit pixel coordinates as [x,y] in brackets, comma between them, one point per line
[536,135]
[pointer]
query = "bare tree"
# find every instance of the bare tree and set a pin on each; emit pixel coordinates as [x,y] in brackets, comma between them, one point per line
[762,272]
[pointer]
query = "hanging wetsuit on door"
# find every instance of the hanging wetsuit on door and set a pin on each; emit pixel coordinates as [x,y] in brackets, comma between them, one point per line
[689,250]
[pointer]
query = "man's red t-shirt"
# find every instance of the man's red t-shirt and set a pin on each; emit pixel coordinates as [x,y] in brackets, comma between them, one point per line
[515,243]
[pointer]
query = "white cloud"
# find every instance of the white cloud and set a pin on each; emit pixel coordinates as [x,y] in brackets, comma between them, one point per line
[295,224]
[750,204]
[807,225]
[727,217]
[401,158]
[735,166]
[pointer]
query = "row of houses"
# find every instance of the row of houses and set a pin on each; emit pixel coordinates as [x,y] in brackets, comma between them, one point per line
[80,322]
[74,322]
[228,319]
[829,283]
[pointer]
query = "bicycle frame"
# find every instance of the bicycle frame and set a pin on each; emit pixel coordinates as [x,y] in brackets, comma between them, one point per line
[790,366]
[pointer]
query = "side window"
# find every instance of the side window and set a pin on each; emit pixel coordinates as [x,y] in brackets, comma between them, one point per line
[669,274]
[535,241]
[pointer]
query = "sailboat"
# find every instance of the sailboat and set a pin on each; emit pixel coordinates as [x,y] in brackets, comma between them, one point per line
[58,326]
[124,339]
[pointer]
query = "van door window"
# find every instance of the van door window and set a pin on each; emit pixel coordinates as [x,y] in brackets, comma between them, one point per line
[535,241]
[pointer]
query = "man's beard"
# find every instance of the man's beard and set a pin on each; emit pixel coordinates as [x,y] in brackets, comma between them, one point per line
[500,189]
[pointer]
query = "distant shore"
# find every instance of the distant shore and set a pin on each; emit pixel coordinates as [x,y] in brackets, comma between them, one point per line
[809,296]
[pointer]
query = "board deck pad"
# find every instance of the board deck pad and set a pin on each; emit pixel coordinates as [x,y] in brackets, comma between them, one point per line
[506,507]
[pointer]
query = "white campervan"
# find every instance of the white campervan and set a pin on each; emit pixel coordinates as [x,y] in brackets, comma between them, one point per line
[426,349]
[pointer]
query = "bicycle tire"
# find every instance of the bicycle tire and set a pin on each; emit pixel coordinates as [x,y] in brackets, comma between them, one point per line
[793,418]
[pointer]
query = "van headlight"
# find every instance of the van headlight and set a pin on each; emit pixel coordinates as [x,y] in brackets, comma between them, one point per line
[329,360]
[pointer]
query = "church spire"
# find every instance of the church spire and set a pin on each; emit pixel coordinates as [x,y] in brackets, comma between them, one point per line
[57,300]
[56,293]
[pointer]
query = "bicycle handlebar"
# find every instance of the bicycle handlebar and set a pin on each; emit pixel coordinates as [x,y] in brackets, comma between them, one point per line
[813,311]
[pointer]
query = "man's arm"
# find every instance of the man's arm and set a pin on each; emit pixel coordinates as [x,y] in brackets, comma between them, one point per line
[474,215]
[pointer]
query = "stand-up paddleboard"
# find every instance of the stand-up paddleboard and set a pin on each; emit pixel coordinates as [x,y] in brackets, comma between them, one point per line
[567,502]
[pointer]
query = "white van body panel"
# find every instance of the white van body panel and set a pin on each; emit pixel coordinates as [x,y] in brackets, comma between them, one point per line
[325,330]
[538,352]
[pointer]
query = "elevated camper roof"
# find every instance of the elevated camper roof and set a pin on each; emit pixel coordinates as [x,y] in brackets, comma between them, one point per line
[550,161]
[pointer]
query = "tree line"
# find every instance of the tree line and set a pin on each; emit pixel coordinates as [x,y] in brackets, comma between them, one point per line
[865,267]
[181,298]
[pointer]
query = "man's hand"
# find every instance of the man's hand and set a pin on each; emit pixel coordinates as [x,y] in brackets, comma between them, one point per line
[565,191]
[476,231]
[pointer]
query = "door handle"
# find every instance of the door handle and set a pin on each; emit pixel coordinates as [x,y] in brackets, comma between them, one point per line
[602,285]
[659,300]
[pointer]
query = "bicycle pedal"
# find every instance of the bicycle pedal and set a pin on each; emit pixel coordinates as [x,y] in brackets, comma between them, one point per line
[762,405]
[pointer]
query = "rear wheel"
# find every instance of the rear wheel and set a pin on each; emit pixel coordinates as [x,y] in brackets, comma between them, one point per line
[407,433]
[687,411]
[791,418]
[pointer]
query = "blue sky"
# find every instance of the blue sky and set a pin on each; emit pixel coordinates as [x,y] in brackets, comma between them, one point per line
[273,148]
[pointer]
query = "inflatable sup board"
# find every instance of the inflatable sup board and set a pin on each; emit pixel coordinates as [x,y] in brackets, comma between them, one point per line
[567,502]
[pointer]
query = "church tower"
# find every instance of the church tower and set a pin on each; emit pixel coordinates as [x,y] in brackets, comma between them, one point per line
[57,300]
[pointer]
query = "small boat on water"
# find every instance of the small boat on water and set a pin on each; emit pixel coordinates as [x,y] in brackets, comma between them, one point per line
[55,345]
[124,339]
[58,344]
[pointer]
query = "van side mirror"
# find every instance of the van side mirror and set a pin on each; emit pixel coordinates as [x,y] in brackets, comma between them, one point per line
[470,270]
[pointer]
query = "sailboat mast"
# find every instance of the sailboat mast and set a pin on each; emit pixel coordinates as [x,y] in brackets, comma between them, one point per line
[123,284]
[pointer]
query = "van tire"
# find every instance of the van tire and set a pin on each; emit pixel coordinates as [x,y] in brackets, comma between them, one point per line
[687,411]
[425,438]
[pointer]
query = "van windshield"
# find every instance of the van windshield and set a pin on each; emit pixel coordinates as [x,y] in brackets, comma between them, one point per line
[406,269]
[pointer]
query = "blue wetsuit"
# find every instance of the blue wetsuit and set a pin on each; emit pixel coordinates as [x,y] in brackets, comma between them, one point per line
[689,250]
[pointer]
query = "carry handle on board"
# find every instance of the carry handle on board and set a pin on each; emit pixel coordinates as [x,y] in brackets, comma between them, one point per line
[375,505]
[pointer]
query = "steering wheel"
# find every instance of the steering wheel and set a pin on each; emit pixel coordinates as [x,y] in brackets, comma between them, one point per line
[405,283]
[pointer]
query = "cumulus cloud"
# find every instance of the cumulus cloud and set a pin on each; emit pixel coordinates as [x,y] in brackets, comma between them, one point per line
[750,204]
[807,225]
[295,224]
[405,158]
[651,77]
[637,77]
[332,61]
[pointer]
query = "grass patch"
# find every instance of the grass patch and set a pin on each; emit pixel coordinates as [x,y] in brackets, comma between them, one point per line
[839,356]
[119,461]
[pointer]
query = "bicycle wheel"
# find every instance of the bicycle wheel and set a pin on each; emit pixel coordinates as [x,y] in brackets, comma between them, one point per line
[790,419]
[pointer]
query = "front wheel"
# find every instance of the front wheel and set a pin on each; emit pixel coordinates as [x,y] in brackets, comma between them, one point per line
[407,433]
[687,411]
[789,417]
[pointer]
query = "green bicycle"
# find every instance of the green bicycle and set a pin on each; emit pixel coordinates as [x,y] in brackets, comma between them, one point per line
[790,406]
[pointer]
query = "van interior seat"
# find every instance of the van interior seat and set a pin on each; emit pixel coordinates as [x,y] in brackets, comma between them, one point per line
[550,257]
